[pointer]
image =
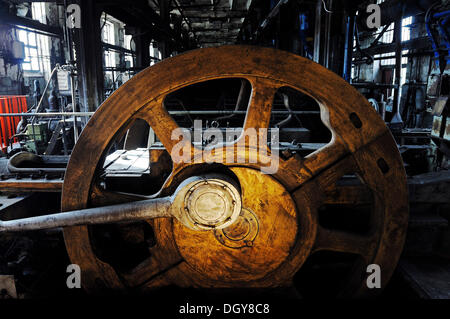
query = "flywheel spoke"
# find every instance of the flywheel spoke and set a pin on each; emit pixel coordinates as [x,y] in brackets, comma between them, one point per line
[323,167]
[340,241]
[162,123]
[260,107]
[152,267]
[348,195]
[328,177]
[163,256]
[175,274]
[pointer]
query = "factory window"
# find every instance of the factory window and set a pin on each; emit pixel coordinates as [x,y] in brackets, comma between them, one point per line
[127,39]
[404,58]
[386,58]
[37,46]
[388,35]
[389,58]
[31,61]
[38,12]
[128,56]
[406,31]
[109,59]
[154,52]
[108,32]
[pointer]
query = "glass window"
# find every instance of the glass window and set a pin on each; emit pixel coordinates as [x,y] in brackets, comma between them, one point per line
[406,28]
[108,33]
[388,61]
[388,35]
[127,41]
[31,62]
[405,58]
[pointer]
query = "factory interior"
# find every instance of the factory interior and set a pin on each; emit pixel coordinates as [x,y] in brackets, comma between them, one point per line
[351,98]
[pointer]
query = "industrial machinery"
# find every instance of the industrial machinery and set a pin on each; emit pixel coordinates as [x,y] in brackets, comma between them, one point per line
[217,223]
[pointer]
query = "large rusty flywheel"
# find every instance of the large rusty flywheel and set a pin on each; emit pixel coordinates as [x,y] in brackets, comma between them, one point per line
[237,226]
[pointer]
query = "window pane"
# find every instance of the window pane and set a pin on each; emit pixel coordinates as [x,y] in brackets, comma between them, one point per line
[26,66]
[404,59]
[34,64]
[33,52]
[32,39]
[23,36]
[129,58]
[27,54]
[127,41]
[406,28]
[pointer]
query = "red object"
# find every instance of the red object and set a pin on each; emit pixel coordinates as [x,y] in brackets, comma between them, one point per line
[8,125]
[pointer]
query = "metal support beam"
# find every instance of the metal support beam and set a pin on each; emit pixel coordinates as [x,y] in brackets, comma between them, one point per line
[89,56]
[348,53]
[396,122]
[164,12]
[398,61]
[317,27]
[142,42]
[6,18]
[326,56]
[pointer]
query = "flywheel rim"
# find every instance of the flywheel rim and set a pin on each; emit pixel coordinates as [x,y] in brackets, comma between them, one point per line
[360,147]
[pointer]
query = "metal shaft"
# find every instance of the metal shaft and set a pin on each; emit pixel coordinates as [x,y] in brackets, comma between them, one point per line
[139,210]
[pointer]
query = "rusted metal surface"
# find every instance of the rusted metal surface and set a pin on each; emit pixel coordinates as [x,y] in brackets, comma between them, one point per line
[107,214]
[447,129]
[285,203]
[13,184]
[436,128]
[439,105]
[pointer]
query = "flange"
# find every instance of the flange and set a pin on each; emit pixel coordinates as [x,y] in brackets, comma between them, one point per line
[208,202]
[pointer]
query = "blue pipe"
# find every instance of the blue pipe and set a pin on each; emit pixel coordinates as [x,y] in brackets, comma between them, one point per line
[441,14]
[349,33]
[446,38]
[444,33]
[302,32]
[443,30]
[433,42]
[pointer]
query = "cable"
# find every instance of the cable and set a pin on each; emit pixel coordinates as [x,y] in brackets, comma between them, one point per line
[325,7]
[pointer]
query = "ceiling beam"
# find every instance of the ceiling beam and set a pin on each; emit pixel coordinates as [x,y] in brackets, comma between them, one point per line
[32,24]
